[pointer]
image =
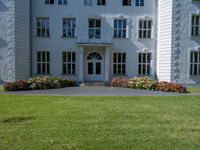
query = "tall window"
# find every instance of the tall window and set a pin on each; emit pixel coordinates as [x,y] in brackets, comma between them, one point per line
[88,2]
[145,27]
[43,62]
[120,28]
[69,63]
[43,27]
[126,2]
[144,64]
[94,28]
[195,25]
[62,2]
[119,63]
[195,63]
[69,26]
[49,1]
[101,2]
[139,2]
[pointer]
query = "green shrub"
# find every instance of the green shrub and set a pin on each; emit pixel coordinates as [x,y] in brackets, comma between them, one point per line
[143,83]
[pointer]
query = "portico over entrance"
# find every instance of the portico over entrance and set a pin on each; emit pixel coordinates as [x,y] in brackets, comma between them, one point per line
[94,62]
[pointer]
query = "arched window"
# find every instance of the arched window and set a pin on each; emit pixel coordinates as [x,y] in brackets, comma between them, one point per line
[94,56]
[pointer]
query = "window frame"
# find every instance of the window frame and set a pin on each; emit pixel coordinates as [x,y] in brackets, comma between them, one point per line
[46,28]
[119,64]
[95,28]
[139,3]
[62,2]
[88,2]
[194,26]
[48,2]
[71,28]
[145,64]
[46,69]
[126,2]
[120,29]
[100,2]
[147,29]
[66,63]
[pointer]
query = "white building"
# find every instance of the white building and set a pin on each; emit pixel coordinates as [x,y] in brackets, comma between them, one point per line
[96,40]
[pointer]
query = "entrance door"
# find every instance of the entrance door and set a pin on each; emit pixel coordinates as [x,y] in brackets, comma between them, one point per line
[94,67]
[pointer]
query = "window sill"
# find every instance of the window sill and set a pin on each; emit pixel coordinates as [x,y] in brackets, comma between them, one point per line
[115,38]
[69,74]
[195,37]
[48,37]
[37,74]
[67,37]
[144,39]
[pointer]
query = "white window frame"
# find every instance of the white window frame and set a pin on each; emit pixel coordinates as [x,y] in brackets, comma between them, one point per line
[62,2]
[144,63]
[196,24]
[72,63]
[41,62]
[100,3]
[129,3]
[117,63]
[120,29]
[139,3]
[49,2]
[147,29]
[88,2]
[72,28]
[94,29]
[193,63]
[44,25]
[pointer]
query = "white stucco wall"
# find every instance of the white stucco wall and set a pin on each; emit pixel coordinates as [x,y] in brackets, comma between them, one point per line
[75,8]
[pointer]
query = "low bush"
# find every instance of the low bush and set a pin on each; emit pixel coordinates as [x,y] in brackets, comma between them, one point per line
[39,83]
[44,82]
[17,86]
[119,82]
[143,83]
[171,87]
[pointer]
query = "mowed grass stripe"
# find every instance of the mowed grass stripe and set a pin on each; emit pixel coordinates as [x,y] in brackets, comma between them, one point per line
[42,122]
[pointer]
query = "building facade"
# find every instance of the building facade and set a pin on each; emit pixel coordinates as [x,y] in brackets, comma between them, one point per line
[97,40]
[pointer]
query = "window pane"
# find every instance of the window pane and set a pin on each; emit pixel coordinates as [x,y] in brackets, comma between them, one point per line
[90,68]
[98,68]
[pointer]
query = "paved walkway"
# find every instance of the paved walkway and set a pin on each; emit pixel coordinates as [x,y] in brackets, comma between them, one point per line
[96,91]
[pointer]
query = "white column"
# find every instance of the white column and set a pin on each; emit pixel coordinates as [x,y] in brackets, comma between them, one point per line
[81,64]
[107,64]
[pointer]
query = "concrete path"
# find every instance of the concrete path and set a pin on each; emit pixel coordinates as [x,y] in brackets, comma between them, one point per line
[96,91]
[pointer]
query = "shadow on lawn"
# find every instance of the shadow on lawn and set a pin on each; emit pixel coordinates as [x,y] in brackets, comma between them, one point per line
[15,120]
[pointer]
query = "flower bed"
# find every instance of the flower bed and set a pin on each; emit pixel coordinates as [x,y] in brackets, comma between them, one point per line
[39,83]
[145,83]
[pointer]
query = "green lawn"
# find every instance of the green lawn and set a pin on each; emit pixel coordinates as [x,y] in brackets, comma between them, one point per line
[194,89]
[99,123]
[1,88]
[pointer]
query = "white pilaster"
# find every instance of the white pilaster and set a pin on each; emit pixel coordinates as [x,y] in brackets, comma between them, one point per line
[81,64]
[107,64]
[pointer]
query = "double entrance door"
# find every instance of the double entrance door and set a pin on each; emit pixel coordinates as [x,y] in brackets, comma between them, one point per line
[94,67]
